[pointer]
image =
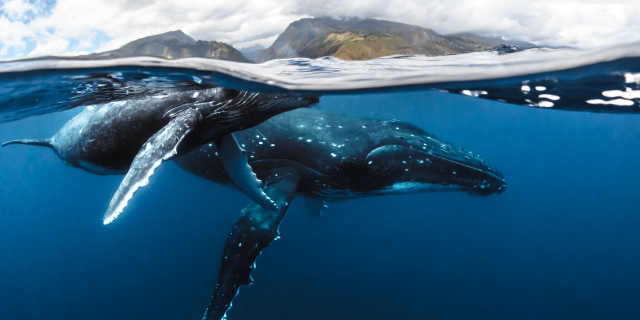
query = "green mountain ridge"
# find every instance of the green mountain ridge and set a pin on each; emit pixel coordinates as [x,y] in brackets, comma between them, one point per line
[356,39]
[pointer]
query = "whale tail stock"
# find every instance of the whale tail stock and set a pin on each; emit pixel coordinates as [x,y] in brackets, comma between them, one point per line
[31,142]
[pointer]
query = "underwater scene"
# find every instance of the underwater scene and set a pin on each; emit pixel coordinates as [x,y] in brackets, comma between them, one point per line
[498,183]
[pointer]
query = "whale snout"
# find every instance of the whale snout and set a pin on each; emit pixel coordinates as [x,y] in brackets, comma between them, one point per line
[442,168]
[466,170]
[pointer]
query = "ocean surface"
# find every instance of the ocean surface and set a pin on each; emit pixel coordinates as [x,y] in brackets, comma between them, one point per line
[561,242]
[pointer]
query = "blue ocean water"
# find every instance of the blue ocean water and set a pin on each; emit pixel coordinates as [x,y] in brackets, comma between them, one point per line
[560,243]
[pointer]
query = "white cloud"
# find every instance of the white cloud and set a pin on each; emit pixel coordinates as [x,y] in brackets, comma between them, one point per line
[20,9]
[72,26]
[576,23]
[241,22]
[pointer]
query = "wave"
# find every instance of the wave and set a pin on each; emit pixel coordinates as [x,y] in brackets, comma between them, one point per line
[599,80]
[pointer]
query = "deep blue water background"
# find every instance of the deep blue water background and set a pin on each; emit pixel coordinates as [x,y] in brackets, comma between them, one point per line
[561,243]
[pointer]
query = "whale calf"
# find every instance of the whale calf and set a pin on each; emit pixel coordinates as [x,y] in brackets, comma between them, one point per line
[135,136]
[328,157]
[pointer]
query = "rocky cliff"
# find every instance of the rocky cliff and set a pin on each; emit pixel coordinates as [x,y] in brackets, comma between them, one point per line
[174,45]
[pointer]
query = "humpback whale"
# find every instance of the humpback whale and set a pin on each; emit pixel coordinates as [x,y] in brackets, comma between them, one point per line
[135,136]
[328,157]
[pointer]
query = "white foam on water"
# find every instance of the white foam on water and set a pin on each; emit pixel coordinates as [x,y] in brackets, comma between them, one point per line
[628,94]
[549,96]
[632,78]
[545,104]
[617,102]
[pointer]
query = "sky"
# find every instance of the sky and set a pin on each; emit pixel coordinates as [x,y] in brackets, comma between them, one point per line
[30,28]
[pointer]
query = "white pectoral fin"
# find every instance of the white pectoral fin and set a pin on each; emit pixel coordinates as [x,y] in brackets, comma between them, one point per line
[160,147]
[236,164]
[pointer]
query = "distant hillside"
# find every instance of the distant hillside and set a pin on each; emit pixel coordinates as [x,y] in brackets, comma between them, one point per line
[174,45]
[352,39]
[356,39]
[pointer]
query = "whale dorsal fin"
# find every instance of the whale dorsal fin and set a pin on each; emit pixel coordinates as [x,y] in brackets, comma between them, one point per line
[235,162]
[253,231]
[161,147]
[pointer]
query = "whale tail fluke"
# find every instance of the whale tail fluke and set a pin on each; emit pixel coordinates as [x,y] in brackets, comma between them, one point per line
[31,142]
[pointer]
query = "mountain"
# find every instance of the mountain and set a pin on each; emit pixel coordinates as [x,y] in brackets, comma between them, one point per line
[253,51]
[174,45]
[356,39]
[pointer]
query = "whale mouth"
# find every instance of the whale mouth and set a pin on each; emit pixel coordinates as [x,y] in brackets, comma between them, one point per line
[444,167]
[496,175]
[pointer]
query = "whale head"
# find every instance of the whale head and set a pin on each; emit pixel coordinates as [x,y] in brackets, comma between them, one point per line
[416,161]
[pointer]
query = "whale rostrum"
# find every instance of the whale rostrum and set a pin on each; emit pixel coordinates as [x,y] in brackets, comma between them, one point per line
[134,137]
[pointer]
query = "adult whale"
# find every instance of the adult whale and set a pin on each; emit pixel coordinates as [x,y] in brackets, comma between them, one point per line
[328,157]
[135,136]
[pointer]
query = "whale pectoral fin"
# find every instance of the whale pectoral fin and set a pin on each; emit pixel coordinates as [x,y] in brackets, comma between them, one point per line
[315,207]
[235,162]
[254,230]
[160,147]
